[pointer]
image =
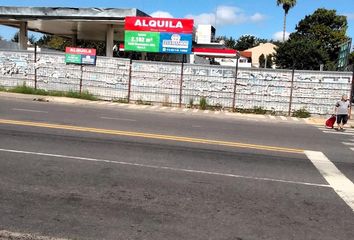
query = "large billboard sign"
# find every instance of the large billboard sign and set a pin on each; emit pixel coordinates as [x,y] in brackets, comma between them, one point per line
[80,55]
[164,35]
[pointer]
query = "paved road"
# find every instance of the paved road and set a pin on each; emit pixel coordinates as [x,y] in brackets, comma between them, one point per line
[160,175]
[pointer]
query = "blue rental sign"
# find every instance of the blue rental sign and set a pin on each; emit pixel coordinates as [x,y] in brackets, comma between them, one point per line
[176,43]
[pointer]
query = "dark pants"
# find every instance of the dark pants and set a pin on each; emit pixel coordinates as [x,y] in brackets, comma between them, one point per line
[342,118]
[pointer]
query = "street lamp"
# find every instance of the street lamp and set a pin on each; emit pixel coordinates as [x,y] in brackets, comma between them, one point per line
[236,72]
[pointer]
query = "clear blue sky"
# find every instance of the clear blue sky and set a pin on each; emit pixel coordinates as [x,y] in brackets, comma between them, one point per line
[261,18]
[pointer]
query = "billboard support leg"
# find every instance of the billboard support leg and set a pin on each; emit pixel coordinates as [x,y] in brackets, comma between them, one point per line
[129,78]
[181,81]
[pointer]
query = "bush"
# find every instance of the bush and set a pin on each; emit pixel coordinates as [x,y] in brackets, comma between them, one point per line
[72,94]
[142,102]
[191,103]
[301,113]
[203,103]
[83,95]
[3,89]
[254,110]
[259,110]
[121,100]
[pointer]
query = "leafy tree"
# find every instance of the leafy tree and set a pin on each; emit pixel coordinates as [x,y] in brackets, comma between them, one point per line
[269,61]
[351,58]
[31,38]
[320,34]
[300,54]
[326,27]
[261,61]
[265,60]
[60,43]
[229,41]
[248,41]
[287,5]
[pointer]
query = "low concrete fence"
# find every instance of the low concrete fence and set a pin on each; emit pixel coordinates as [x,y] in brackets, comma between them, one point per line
[170,84]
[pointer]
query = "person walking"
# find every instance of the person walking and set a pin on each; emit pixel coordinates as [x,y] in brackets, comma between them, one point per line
[342,111]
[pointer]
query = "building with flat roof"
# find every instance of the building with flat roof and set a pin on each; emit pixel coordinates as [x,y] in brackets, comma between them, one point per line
[104,24]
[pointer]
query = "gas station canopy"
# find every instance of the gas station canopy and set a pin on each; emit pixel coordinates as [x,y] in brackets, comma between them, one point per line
[105,24]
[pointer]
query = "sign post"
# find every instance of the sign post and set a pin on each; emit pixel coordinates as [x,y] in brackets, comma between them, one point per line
[80,56]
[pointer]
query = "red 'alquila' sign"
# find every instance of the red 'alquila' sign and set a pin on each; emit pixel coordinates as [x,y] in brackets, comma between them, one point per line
[149,24]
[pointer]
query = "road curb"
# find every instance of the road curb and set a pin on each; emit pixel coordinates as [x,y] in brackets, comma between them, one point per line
[157,108]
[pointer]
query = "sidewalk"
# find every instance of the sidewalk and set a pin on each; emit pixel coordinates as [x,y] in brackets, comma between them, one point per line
[157,108]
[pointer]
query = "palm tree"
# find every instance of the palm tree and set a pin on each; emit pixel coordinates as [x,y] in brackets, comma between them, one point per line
[287,5]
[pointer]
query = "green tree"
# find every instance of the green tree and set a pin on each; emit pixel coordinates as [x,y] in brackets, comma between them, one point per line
[265,61]
[326,27]
[229,41]
[248,41]
[269,61]
[300,54]
[351,58]
[324,31]
[60,43]
[31,38]
[261,61]
[287,5]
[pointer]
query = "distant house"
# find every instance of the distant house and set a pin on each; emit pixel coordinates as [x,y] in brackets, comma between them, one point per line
[263,48]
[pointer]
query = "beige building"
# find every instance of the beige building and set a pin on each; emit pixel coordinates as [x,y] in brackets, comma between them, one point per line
[263,48]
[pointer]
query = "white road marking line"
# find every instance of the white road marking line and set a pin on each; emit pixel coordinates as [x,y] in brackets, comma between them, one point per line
[283,118]
[28,110]
[295,119]
[348,144]
[339,133]
[217,112]
[346,130]
[337,180]
[119,119]
[161,167]
[196,110]
[154,107]
[163,108]
[102,103]
[174,109]
[206,111]
[185,110]
[352,149]
[272,117]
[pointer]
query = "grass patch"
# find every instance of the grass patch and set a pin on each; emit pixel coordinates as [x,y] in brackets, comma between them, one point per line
[28,90]
[142,102]
[71,94]
[254,110]
[203,104]
[301,113]
[120,100]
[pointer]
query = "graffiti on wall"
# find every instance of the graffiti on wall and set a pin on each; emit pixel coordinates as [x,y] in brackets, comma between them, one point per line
[161,82]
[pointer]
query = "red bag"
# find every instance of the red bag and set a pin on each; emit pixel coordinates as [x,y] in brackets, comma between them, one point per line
[330,121]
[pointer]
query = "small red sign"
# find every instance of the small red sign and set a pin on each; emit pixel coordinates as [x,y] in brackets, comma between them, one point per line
[148,24]
[83,51]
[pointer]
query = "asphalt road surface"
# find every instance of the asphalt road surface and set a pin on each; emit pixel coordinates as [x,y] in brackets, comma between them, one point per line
[84,172]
